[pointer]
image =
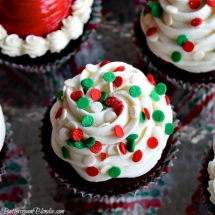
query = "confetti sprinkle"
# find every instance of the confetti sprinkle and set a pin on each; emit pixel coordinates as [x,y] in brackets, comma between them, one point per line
[103,156]
[118,81]
[79,144]
[151,31]
[130,145]
[83,103]
[182,39]
[81,69]
[167,99]
[59,94]
[77,134]
[137,156]
[158,116]
[196,22]
[122,148]
[103,96]
[211,3]
[119,109]
[146,111]
[151,79]
[87,83]
[114,172]
[95,94]
[119,69]
[65,152]
[92,171]
[104,63]
[89,160]
[76,95]
[188,46]
[96,107]
[154,96]
[157,11]
[58,113]
[169,128]
[118,131]
[109,77]
[194,4]
[70,142]
[176,56]
[89,142]
[135,91]
[96,148]
[87,121]
[160,89]
[132,137]
[111,101]
[142,117]
[152,142]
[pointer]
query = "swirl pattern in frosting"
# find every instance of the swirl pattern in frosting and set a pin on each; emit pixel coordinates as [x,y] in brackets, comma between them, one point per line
[181,32]
[35,46]
[2,129]
[111,121]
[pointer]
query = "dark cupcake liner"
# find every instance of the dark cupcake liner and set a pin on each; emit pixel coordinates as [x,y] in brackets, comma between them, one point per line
[111,188]
[52,61]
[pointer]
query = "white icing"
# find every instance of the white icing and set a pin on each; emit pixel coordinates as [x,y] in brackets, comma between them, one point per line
[56,41]
[105,121]
[2,129]
[175,21]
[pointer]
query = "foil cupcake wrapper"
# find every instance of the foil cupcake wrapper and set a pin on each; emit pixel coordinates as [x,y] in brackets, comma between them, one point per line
[91,26]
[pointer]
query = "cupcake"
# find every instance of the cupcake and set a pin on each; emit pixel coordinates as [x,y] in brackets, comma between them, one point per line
[176,39]
[41,35]
[110,131]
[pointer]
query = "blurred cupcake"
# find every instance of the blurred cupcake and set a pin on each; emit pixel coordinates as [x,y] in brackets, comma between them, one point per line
[175,39]
[41,35]
[110,131]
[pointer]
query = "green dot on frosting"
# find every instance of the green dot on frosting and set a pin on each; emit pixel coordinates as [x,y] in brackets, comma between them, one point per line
[151,4]
[87,83]
[130,145]
[103,97]
[109,76]
[114,172]
[182,39]
[79,144]
[59,94]
[176,56]
[65,152]
[83,103]
[158,116]
[169,128]
[160,89]
[142,117]
[135,91]
[87,121]
[89,142]
[70,142]
[154,96]
[132,137]
[157,11]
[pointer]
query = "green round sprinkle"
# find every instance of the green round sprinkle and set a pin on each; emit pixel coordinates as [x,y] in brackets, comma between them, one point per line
[154,96]
[70,142]
[87,83]
[59,94]
[79,144]
[151,4]
[14,167]
[83,103]
[103,97]
[132,137]
[65,152]
[104,106]
[142,117]
[182,39]
[155,193]
[130,145]
[135,91]
[89,142]
[9,205]
[158,116]
[160,89]
[176,56]
[87,121]
[157,11]
[109,76]
[169,128]
[114,172]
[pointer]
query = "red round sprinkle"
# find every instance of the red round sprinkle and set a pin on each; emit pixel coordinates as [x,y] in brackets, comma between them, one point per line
[151,79]
[151,31]
[196,22]
[119,69]
[146,111]
[211,3]
[118,131]
[96,148]
[104,63]
[92,171]
[103,156]
[137,156]
[111,101]
[194,4]
[77,134]
[58,113]
[167,99]
[188,46]
[152,142]
[118,110]
[95,94]
[76,95]
[122,148]
[148,9]
[80,70]
[118,81]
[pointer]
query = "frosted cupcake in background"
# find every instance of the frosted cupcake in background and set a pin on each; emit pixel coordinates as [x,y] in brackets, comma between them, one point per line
[53,40]
[110,131]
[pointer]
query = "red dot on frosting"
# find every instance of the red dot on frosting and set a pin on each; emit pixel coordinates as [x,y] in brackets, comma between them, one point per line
[151,31]
[167,99]
[119,69]
[103,156]
[119,109]
[77,134]
[118,81]
[122,148]
[58,113]
[137,156]
[194,4]
[151,79]
[188,46]
[104,63]
[76,95]
[146,111]
[118,131]
[80,69]
[111,101]
[196,22]
[95,94]
[152,142]
[211,3]
[92,171]
[96,148]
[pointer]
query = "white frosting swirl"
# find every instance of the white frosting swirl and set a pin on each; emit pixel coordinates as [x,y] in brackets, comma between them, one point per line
[2,129]
[56,41]
[106,120]
[175,21]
